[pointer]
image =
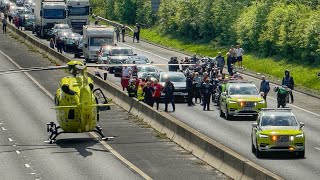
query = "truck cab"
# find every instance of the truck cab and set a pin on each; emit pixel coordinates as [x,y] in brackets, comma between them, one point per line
[93,38]
[78,14]
[47,14]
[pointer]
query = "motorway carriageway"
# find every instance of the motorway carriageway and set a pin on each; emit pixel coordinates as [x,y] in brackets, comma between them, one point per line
[236,134]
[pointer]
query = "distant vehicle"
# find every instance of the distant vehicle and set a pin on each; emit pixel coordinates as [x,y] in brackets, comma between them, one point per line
[78,14]
[145,71]
[28,18]
[93,38]
[53,31]
[19,2]
[130,60]
[70,42]
[277,130]
[118,55]
[61,33]
[179,81]
[47,14]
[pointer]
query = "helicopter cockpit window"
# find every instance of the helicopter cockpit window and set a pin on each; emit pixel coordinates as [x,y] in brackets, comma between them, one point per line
[65,88]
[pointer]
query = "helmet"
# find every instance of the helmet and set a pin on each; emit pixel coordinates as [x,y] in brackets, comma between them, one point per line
[287,71]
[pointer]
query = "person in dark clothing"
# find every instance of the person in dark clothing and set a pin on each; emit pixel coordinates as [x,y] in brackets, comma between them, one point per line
[220,62]
[197,87]
[123,32]
[230,65]
[138,34]
[168,97]
[194,59]
[171,67]
[190,90]
[96,23]
[20,23]
[117,33]
[132,90]
[264,87]
[206,91]
[135,34]
[4,25]
[148,92]
[289,82]
[10,18]
[59,45]
[175,61]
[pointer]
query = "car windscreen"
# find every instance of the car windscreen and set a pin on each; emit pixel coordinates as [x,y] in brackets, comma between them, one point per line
[173,78]
[121,52]
[100,41]
[61,26]
[243,90]
[54,13]
[278,120]
[147,69]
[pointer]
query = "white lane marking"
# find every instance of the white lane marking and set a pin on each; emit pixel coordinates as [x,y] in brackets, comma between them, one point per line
[317,148]
[146,51]
[3,128]
[10,139]
[121,158]
[27,165]
[18,152]
[14,145]
[302,109]
[33,173]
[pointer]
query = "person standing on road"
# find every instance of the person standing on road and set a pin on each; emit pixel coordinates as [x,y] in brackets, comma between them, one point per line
[118,33]
[135,34]
[157,92]
[239,52]
[4,25]
[264,87]
[132,91]
[289,82]
[123,32]
[197,82]
[59,45]
[233,54]
[51,43]
[138,34]
[207,91]
[168,95]
[220,62]
[148,92]
[189,87]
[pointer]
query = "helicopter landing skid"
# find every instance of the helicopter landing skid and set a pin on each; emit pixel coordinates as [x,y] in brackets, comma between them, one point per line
[99,131]
[52,129]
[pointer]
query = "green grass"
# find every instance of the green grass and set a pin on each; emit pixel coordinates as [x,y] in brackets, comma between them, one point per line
[305,76]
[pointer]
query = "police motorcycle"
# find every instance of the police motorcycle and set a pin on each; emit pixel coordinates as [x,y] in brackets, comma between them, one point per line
[282,95]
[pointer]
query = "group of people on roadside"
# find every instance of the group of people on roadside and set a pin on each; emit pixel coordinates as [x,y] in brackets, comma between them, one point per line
[149,91]
[59,44]
[122,29]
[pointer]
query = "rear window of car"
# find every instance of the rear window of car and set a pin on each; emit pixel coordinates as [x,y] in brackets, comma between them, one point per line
[118,52]
[173,77]
[278,120]
[242,89]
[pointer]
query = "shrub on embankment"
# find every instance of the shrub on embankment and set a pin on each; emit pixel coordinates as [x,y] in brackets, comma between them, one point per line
[284,33]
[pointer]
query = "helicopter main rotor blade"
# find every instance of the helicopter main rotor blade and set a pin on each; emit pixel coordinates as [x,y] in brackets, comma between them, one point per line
[20,70]
[117,65]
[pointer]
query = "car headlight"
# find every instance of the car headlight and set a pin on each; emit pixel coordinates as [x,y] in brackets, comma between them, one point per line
[299,135]
[232,102]
[263,136]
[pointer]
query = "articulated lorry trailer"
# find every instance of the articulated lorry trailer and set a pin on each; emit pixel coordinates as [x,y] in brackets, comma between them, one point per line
[78,14]
[48,13]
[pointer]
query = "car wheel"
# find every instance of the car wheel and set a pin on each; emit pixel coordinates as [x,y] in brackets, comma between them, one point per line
[253,149]
[258,152]
[301,154]
[221,113]
[227,115]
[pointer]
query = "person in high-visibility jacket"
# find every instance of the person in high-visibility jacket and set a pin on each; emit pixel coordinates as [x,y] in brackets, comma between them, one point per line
[140,93]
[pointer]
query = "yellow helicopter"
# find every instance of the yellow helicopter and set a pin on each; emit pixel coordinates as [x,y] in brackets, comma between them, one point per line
[77,103]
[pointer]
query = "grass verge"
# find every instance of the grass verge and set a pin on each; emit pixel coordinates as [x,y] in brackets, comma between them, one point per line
[304,76]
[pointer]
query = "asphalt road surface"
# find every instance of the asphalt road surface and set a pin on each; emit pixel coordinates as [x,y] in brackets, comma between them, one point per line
[236,134]
[158,158]
[25,109]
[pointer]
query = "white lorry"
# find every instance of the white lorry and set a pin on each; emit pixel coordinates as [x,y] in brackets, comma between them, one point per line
[93,38]
[48,13]
[78,14]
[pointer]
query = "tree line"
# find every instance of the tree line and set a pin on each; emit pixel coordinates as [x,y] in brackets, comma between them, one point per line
[285,28]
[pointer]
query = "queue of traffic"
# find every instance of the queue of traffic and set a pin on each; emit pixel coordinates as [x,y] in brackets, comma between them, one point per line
[193,79]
